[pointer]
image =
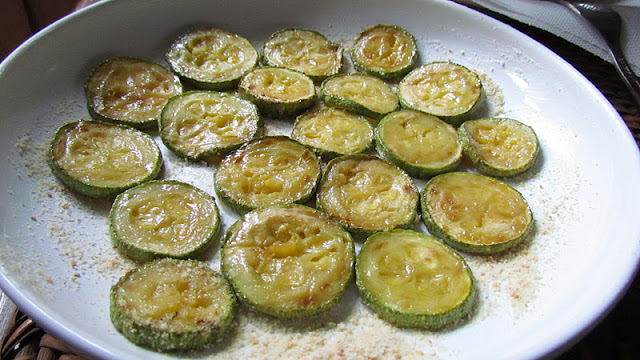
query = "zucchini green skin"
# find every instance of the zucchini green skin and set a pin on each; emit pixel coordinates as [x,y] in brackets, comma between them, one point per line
[324,151]
[494,169]
[156,336]
[188,150]
[440,232]
[422,171]
[241,207]
[271,106]
[453,118]
[142,254]
[315,73]
[430,321]
[360,233]
[341,101]
[92,94]
[96,191]
[278,311]
[201,79]
[385,74]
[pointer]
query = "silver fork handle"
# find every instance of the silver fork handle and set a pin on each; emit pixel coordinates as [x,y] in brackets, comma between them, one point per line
[630,79]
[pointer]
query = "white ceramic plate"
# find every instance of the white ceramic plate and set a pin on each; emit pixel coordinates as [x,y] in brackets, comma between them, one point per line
[57,263]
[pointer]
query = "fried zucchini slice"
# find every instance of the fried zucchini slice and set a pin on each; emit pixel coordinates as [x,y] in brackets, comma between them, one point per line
[211,59]
[413,280]
[360,93]
[475,213]
[200,124]
[130,91]
[171,305]
[278,92]
[333,132]
[449,91]
[163,218]
[499,146]
[267,170]
[100,159]
[385,51]
[288,261]
[303,50]
[367,194]
[419,143]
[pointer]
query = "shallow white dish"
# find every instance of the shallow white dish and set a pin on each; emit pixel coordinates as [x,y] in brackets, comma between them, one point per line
[57,262]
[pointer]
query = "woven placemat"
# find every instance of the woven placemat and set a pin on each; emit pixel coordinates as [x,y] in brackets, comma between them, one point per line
[615,337]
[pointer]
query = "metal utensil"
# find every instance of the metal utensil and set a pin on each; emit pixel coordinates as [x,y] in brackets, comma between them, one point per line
[609,24]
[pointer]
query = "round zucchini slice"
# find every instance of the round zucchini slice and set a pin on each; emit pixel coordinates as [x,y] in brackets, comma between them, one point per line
[499,146]
[475,213]
[212,59]
[267,170]
[288,261]
[385,51]
[171,305]
[414,280]
[100,159]
[360,93]
[449,91]
[278,92]
[163,218]
[130,91]
[333,132]
[367,194]
[303,50]
[200,124]
[421,144]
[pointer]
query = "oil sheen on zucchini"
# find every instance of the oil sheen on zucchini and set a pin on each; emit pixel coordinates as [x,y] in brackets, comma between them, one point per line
[385,51]
[211,58]
[475,213]
[172,305]
[333,132]
[163,218]
[360,93]
[267,170]
[499,146]
[288,261]
[200,124]
[367,194]
[100,159]
[421,144]
[414,280]
[278,92]
[443,89]
[130,91]
[303,50]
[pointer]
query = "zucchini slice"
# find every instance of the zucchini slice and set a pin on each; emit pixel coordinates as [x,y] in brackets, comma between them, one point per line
[367,194]
[130,91]
[212,59]
[100,159]
[200,124]
[278,92]
[449,91]
[333,132]
[421,144]
[385,51]
[363,94]
[414,280]
[499,146]
[171,305]
[267,170]
[163,218]
[303,50]
[288,261]
[475,213]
